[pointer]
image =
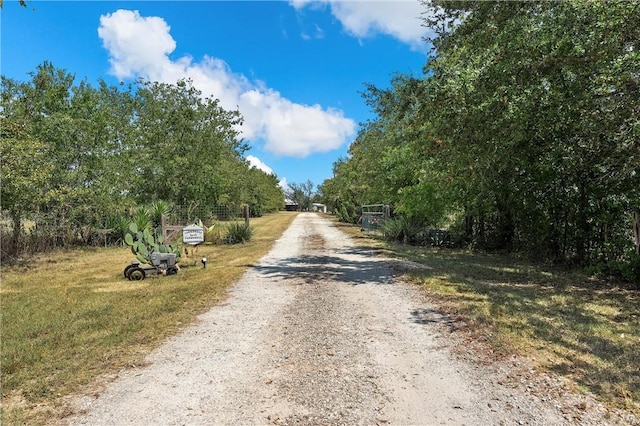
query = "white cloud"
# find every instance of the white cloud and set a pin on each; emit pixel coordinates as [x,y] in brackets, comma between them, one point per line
[283,184]
[316,33]
[259,164]
[137,45]
[140,47]
[400,19]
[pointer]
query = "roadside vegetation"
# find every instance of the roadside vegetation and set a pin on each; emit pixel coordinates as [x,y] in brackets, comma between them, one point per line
[520,137]
[79,160]
[70,316]
[518,145]
[566,322]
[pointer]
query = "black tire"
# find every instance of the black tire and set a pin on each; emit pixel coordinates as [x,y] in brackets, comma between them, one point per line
[172,271]
[127,269]
[136,274]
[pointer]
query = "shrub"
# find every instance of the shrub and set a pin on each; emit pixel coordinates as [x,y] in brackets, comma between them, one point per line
[627,271]
[256,210]
[117,226]
[214,233]
[400,229]
[156,211]
[238,232]
[142,218]
[346,212]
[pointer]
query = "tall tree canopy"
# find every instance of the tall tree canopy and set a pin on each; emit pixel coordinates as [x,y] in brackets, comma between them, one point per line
[78,154]
[523,133]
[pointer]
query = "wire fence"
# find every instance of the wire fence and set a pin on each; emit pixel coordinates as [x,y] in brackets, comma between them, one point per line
[186,215]
[44,231]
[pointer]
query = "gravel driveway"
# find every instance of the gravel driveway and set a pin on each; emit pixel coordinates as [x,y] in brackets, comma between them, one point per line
[320,333]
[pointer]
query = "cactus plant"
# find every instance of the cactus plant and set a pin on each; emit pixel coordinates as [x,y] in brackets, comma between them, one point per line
[143,243]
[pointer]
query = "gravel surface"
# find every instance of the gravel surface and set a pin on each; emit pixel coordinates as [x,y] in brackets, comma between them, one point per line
[320,333]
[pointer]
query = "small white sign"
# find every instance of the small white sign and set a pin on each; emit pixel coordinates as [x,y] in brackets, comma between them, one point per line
[193,234]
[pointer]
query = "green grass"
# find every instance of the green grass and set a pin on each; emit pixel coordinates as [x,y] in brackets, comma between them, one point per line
[568,323]
[69,317]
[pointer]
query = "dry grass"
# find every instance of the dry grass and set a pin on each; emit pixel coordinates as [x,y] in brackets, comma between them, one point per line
[585,330]
[69,317]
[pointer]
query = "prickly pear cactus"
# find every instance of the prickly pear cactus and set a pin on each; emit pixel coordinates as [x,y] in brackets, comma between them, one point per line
[143,243]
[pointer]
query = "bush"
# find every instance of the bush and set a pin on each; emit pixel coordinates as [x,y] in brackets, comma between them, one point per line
[238,232]
[346,212]
[626,271]
[401,230]
[142,218]
[256,210]
[118,226]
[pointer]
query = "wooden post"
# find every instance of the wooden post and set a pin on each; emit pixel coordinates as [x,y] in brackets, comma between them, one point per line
[246,213]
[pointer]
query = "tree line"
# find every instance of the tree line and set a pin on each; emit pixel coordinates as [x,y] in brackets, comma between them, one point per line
[522,135]
[77,159]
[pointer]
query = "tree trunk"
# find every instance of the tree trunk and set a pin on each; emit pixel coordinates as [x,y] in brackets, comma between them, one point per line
[506,227]
[582,224]
[17,232]
[468,224]
[636,230]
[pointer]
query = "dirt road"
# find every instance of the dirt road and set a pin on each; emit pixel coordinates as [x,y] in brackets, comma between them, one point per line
[318,333]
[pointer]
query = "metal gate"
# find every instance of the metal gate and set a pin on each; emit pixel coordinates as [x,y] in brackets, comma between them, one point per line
[374,216]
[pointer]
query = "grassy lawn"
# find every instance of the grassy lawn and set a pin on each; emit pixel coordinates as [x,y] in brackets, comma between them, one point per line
[583,329]
[69,317]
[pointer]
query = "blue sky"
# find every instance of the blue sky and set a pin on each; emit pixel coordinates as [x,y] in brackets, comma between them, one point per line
[294,69]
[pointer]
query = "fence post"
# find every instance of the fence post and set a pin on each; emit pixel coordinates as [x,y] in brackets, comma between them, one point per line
[246,213]
[163,226]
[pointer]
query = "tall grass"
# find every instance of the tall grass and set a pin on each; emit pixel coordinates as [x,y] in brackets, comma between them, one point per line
[70,316]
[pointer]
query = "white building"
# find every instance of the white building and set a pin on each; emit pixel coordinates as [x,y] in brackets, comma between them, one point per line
[320,208]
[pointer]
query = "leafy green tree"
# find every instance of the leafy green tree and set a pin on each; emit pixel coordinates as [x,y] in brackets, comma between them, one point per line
[263,193]
[537,108]
[77,158]
[25,169]
[41,107]
[523,132]
[404,152]
[187,147]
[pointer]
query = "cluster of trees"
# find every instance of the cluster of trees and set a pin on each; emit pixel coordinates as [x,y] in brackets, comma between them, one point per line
[522,135]
[78,156]
[301,194]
